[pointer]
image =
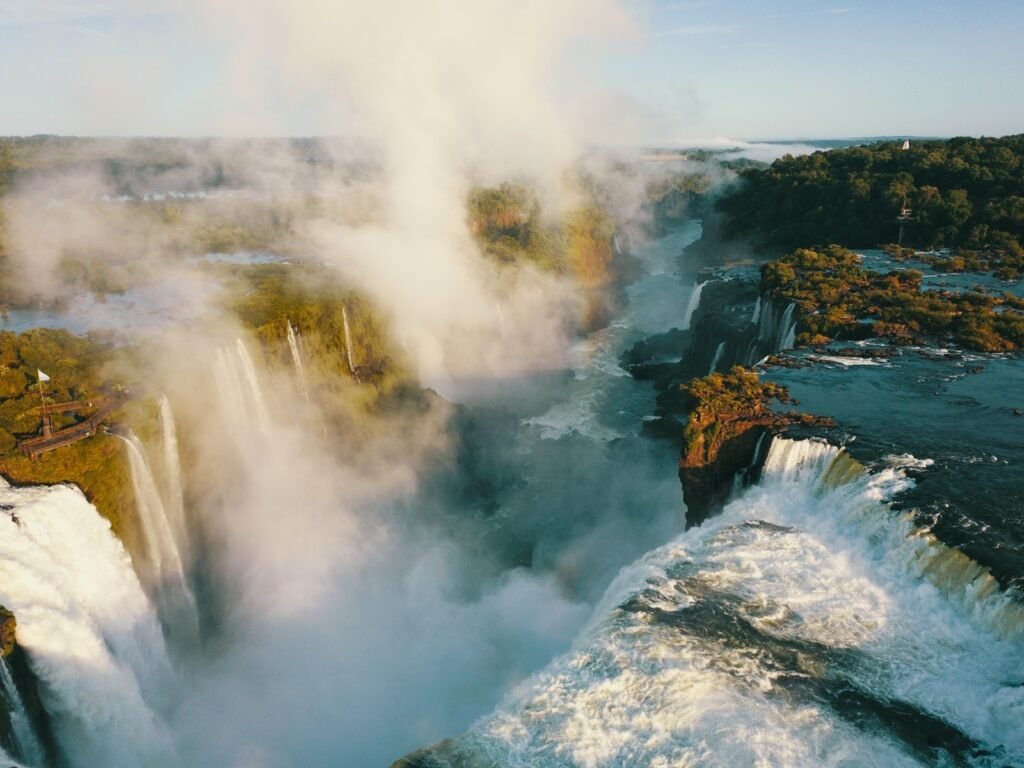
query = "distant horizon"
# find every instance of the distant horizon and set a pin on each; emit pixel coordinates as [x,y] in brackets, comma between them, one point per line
[634,72]
[697,142]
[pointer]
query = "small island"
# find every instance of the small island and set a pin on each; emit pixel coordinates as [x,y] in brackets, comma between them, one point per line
[838,298]
[729,413]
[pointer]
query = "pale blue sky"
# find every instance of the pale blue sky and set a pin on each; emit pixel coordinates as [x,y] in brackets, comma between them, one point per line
[702,68]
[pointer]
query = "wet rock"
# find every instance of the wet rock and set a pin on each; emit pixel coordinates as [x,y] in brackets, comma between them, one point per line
[8,630]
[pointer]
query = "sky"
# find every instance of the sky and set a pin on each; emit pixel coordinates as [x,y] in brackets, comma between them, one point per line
[684,69]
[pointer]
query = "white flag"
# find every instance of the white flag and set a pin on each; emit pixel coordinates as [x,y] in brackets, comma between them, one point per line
[42,376]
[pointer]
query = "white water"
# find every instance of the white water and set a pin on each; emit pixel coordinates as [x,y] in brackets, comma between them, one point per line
[757,309]
[692,305]
[259,409]
[175,494]
[846,362]
[92,637]
[812,560]
[778,334]
[293,344]
[239,391]
[788,328]
[165,574]
[718,356]
[348,342]
[28,746]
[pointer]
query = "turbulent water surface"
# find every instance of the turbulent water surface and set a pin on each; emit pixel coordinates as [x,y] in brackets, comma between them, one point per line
[801,627]
[822,619]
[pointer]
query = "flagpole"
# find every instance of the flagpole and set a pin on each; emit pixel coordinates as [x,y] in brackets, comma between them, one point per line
[42,401]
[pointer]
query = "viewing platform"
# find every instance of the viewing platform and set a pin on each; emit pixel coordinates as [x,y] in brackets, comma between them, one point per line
[34,447]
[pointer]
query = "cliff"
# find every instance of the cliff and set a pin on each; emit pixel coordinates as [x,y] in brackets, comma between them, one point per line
[728,415]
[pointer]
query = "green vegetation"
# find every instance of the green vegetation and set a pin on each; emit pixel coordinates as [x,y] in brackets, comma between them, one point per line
[509,228]
[725,405]
[76,367]
[266,297]
[964,193]
[839,298]
[507,222]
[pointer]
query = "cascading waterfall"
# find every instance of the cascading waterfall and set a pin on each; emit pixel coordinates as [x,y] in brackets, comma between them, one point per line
[91,636]
[798,461]
[175,506]
[229,388]
[694,302]
[27,744]
[744,475]
[718,356]
[774,333]
[807,617]
[248,370]
[788,328]
[757,309]
[166,574]
[819,465]
[348,342]
[239,391]
[765,324]
[293,344]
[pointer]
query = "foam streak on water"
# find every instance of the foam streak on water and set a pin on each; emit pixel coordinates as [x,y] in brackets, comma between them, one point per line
[805,626]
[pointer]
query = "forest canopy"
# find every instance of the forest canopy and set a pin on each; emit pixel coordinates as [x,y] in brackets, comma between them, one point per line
[963,193]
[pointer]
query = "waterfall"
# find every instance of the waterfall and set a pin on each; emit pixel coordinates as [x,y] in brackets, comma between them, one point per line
[260,413]
[293,344]
[745,475]
[765,326]
[167,574]
[229,389]
[615,243]
[779,334]
[787,329]
[172,469]
[91,636]
[693,303]
[806,588]
[27,744]
[348,342]
[239,392]
[757,310]
[798,461]
[718,356]
[820,466]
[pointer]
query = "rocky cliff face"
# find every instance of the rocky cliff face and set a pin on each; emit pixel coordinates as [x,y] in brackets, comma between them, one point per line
[729,414]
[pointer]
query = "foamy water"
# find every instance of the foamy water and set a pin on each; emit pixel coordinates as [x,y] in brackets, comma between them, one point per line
[804,626]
